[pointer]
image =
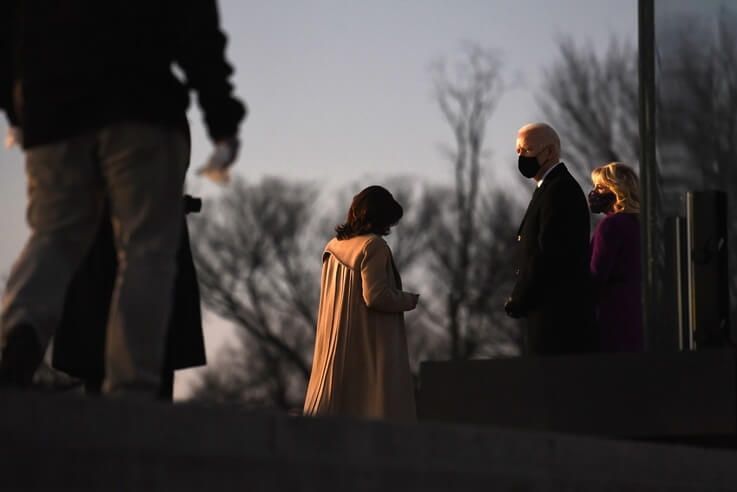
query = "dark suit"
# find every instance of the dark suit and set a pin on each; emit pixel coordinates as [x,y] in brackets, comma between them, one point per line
[553,288]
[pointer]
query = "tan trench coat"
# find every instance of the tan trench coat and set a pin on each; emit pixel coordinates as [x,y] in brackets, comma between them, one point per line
[361,363]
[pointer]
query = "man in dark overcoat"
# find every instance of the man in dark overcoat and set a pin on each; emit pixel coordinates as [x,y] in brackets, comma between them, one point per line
[552,291]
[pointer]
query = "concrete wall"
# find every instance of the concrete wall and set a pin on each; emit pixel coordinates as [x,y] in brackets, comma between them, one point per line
[674,395]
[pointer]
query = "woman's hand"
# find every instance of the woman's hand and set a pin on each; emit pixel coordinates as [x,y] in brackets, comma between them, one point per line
[415,300]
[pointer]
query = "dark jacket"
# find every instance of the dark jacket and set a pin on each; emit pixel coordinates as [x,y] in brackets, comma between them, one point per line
[79,341]
[75,65]
[553,288]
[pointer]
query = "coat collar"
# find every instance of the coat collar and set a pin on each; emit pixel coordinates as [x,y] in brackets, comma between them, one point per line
[555,173]
[550,170]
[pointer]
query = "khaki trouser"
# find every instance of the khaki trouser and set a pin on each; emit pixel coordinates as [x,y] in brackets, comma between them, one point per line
[140,168]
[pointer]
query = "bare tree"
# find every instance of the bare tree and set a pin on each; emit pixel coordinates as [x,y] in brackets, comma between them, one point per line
[467,94]
[255,252]
[256,261]
[592,100]
[493,278]
[697,93]
[409,241]
[247,375]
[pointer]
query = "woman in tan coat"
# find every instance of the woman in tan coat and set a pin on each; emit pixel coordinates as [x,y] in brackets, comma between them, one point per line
[361,364]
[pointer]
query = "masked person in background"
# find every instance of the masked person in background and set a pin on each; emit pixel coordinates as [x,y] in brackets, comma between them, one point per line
[102,116]
[552,291]
[615,258]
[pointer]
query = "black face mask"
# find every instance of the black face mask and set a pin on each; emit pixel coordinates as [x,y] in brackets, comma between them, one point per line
[601,202]
[528,166]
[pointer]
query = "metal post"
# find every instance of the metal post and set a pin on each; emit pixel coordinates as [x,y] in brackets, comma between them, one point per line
[648,170]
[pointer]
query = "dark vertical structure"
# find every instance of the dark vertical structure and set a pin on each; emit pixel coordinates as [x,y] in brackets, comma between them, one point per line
[708,276]
[688,125]
[675,320]
[648,170]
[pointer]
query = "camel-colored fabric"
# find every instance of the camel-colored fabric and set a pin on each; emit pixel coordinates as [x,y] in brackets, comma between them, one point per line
[361,363]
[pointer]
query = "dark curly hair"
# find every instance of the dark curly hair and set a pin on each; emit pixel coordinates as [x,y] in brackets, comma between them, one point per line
[373,210]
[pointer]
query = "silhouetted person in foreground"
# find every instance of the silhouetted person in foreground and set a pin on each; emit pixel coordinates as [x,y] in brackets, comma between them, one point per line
[79,341]
[90,87]
[615,258]
[553,285]
[361,363]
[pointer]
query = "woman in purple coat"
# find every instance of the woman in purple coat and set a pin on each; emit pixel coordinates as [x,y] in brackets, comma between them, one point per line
[615,258]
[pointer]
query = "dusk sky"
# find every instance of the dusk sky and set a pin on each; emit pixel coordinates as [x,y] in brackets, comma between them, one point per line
[339,90]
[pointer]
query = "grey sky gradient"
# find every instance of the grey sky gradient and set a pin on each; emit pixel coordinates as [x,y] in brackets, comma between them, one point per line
[341,89]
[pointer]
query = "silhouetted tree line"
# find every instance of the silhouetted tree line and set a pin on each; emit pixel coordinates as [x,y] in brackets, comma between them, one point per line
[258,252]
[258,247]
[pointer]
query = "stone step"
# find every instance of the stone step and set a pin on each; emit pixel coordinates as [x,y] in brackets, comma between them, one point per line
[67,442]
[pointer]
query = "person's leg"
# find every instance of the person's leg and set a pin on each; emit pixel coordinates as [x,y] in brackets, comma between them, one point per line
[166,390]
[64,203]
[144,168]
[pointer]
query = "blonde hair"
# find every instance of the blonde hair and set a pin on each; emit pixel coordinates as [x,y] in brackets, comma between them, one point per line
[621,180]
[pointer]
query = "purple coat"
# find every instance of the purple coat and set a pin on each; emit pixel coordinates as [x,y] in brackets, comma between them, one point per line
[616,274]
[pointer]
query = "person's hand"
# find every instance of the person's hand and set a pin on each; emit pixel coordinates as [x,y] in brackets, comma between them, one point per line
[14,137]
[218,165]
[415,300]
[511,308]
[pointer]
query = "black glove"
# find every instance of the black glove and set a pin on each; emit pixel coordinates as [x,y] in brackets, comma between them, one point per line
[511,308]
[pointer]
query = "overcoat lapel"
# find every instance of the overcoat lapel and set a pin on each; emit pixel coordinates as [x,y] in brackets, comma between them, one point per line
[538,193]
[535,195]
